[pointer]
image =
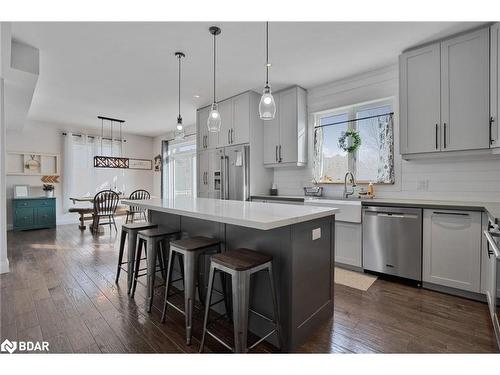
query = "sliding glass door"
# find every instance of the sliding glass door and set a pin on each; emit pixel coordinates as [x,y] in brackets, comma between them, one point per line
[179,179]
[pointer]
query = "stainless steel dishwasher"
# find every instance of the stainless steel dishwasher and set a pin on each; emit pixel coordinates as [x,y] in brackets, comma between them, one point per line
[392,241]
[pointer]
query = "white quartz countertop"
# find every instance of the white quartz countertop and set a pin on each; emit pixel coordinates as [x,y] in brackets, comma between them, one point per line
[256,215]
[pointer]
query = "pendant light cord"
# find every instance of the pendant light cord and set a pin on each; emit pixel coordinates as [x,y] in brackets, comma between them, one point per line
[214,67]
[267,53]
[179,57]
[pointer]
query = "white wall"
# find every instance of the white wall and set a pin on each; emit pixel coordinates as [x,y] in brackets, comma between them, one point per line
[43,137]
[449,179]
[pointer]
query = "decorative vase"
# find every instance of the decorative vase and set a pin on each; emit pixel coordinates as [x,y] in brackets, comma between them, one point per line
[49,193]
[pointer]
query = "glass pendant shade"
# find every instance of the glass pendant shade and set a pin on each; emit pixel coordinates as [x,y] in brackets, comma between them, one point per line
[267,105]
[179,131]
[214,120]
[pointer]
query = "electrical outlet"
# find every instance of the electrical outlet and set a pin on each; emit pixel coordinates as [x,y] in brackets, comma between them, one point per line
[316,233]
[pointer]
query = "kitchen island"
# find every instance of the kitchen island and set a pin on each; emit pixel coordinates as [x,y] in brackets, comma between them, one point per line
[300,239]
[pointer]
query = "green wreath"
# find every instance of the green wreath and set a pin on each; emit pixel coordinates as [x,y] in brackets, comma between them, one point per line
[344,141]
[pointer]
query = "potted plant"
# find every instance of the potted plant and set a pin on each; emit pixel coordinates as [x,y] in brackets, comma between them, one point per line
[49,190]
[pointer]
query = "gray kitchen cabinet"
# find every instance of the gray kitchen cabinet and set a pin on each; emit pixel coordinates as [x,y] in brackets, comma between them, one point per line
[206,140]
[494,85]
[465,92]
[452,249]
[208,164]
[235,115]
[226,115]
[272,136]
[203,164]
[348,248]
[242,112]
[419,75]
[285,137]
[444,95]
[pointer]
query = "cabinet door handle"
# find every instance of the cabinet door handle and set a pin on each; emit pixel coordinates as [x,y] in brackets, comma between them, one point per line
[231,133]
[437,132]
[490,130]
[280,159]
[444,135]
[229,136]
[276,157]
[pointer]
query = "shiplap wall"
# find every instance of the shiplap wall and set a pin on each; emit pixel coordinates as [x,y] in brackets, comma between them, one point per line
[452,179]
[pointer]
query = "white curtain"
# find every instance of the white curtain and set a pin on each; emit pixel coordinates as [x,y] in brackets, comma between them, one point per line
[80,178]
[78,167]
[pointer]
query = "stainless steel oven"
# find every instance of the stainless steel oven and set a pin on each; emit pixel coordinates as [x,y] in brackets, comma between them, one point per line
[493,289]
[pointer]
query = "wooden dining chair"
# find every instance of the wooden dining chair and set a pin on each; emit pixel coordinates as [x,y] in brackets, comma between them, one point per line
[105,204]
[132,210]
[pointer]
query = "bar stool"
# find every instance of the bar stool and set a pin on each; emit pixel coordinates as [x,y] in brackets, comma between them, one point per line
[130,230]
[241,264]
[190,249]
[156,242]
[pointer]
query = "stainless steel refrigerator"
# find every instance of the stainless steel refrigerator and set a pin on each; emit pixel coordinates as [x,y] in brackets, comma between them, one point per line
[232,180]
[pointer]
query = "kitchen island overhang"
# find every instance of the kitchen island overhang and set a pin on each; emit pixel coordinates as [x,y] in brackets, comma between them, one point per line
[300,239]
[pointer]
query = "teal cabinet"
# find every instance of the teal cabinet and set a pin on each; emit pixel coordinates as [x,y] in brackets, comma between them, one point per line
[34,213]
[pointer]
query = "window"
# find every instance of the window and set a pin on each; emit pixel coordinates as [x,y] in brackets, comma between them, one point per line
[373,161]
[181,169]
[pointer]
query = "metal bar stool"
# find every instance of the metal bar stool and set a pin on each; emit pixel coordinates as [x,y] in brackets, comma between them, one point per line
[131,230]
[241,264]
[153,239]
[190,249]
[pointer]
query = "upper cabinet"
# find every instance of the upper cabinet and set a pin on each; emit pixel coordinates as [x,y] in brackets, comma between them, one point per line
[419,91]
[235,123]
[444,95]
[494,85]
[285,137]
[206,140]
[465,88]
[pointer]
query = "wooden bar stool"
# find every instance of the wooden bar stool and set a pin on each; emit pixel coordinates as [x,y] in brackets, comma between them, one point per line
[190,249]
[156,241]
[241,264]
[131,230]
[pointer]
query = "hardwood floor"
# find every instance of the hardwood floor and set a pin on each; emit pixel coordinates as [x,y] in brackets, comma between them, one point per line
[61,289]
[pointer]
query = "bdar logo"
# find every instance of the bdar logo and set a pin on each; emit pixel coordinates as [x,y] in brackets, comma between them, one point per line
[8,346]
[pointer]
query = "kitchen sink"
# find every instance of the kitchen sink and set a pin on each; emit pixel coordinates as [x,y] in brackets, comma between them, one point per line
[350,209]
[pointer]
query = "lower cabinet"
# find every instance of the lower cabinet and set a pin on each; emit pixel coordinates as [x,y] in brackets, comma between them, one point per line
[348,243]
[34,213]
[452,249]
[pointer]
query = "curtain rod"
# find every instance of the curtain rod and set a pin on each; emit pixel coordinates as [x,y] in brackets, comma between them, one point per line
[94,136]
[354,120]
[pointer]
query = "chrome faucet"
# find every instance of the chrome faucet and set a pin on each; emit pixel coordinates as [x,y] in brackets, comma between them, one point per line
[348,193]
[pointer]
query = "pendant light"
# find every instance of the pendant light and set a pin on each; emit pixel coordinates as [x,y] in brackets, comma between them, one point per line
[267,105]
[214,120]
[179,131]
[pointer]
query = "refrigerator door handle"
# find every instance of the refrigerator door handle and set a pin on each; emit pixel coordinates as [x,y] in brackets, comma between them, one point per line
[222,177]
[226,177]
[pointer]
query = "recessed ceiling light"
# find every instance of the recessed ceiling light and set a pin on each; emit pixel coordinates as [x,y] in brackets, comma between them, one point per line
[196,96]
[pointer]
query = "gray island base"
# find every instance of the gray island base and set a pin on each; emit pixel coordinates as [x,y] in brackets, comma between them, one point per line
[303,264]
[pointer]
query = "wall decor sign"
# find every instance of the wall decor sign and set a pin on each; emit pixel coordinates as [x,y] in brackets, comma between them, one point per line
[157,163]
[50,179]
[145,164]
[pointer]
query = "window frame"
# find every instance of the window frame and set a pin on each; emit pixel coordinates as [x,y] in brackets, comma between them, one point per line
[351,111]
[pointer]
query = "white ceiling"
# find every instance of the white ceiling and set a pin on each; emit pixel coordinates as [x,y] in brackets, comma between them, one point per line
[129,71]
